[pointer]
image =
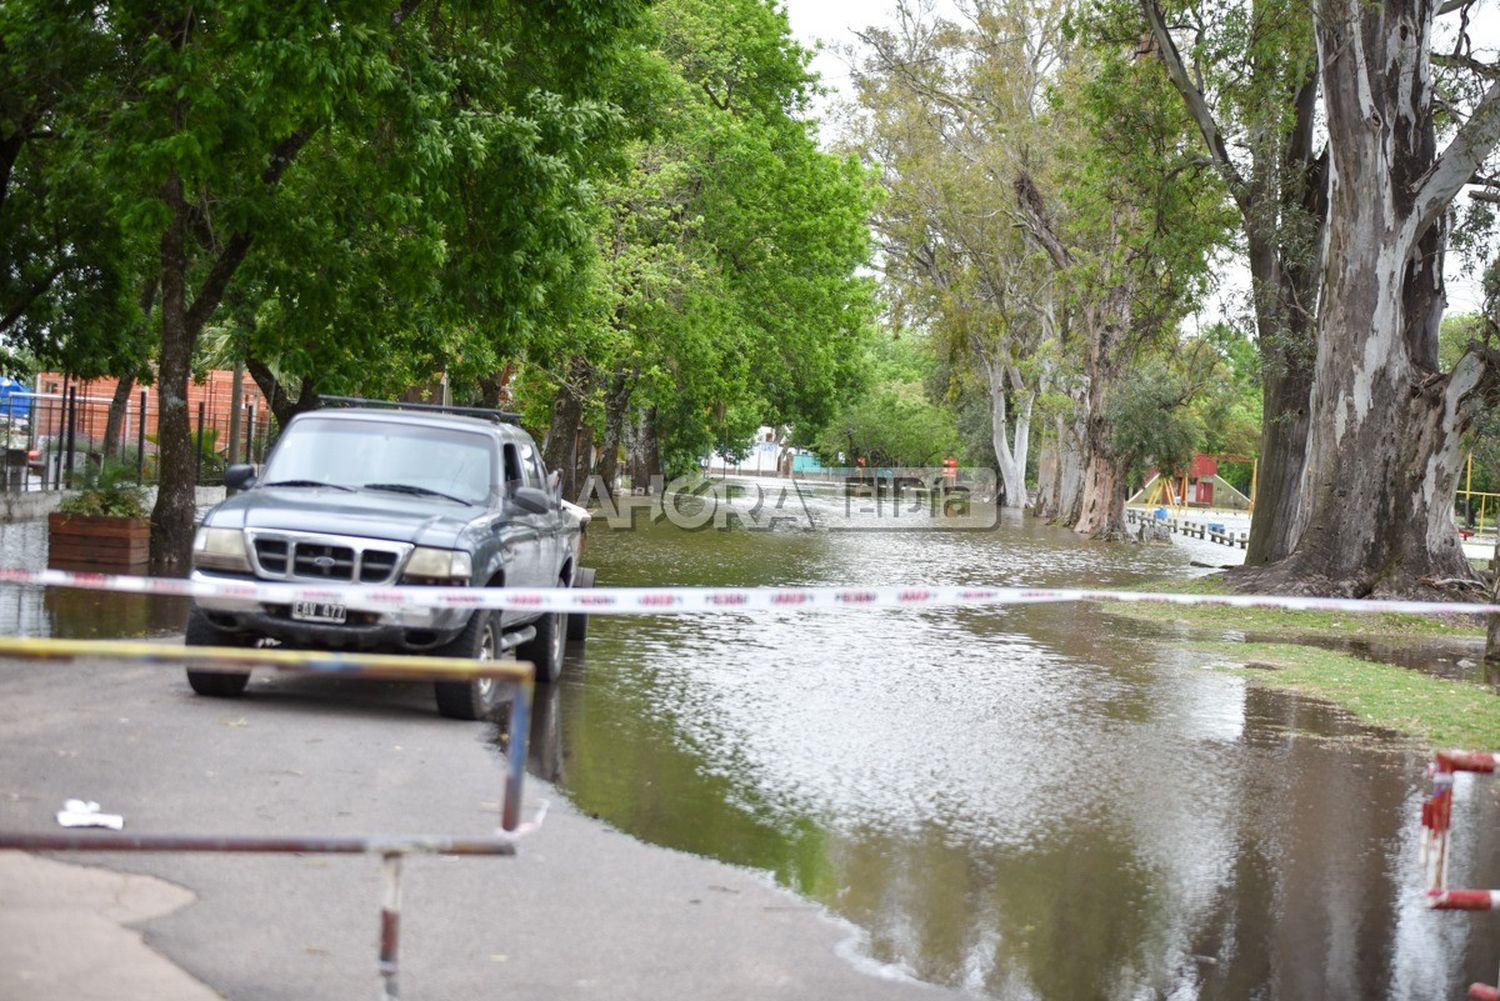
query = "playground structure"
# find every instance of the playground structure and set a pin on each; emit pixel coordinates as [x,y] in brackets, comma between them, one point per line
[1200,487]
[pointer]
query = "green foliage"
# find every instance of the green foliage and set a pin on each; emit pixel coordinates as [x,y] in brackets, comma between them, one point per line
[726,290]
[892,423]
[69,281]
[107,489]
[1152,427]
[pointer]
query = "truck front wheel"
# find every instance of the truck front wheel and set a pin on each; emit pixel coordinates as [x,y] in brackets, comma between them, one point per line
[480,640]
[219,684]
[545,650]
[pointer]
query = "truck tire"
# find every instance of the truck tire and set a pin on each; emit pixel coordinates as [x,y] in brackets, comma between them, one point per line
[201,632]
[480,640]
[545,650]
[578,622]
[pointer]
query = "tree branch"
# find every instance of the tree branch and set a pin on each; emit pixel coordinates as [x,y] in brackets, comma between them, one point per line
[1467,63]
[224,266]
[31,295]
[1455,165]
[1038,224]
[407,8]
[1197,105]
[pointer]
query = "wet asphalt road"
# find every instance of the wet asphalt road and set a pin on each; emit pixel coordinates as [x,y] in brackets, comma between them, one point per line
[582,912]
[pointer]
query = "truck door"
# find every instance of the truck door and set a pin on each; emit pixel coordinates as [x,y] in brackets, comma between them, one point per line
[523,530]
[549,523]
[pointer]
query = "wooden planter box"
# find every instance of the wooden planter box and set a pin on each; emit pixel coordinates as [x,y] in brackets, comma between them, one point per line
[108,545]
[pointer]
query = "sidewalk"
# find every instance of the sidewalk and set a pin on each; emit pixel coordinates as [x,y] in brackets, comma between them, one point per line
[66,935]
[582,912]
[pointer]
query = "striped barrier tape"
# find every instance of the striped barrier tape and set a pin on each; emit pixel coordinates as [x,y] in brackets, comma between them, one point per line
[679,600]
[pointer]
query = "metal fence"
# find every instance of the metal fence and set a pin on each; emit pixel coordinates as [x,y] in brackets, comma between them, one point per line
[517,676]
[52,439]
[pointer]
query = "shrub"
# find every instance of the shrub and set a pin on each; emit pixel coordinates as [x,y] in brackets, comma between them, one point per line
[109,490]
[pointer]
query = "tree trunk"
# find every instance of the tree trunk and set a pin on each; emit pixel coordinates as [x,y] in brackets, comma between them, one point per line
[645,453]
[283,405]
[1281,205]
[616,402]
[1285,287]
[1382,461]
[561,450]
[494,388]
[1102,499]
[119,405]
[1101,513]
[1011,459]
[172,517]
[1048,482]
[1286,384]
[1070,482]
[1492,635]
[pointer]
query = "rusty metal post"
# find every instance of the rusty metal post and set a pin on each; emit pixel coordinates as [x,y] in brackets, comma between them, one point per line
[390,925]
[198,460]
[140,444]
[515,754]
[71,409]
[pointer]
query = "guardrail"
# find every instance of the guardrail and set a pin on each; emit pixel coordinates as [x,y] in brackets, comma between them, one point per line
[1211,531]
[1437,824]
[517,676]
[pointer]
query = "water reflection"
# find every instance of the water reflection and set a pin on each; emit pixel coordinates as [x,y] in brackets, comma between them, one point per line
[39,611]
[1038,802]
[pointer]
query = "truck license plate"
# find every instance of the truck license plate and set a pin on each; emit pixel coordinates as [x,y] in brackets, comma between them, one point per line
[319,611]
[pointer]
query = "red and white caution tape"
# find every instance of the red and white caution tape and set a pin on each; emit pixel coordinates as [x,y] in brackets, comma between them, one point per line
[678,600]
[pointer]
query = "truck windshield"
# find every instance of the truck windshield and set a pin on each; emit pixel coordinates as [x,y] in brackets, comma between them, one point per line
[352,454]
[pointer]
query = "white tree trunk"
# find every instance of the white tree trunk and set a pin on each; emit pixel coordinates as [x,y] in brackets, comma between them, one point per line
[1010,456]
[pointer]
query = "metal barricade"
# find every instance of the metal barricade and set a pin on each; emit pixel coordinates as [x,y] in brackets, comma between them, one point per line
[392,849]
[1437,824]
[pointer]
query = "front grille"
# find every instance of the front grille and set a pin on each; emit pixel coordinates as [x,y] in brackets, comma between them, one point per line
[272,554]
[377,567]
[323,562]
[326,558]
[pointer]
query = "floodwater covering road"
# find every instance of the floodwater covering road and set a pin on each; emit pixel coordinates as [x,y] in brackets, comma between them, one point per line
[1035,802]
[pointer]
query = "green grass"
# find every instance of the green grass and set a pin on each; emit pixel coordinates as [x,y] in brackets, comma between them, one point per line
[1443,713]
[1210,620]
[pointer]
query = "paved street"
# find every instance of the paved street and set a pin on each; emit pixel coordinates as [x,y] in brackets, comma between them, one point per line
[583,912]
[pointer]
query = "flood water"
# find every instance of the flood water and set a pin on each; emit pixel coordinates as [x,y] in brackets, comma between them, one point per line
[1034,802]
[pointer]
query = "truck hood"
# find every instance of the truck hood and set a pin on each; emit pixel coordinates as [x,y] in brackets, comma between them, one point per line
[369,514]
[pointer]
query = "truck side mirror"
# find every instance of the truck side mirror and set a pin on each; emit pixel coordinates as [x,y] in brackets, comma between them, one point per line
[239,477]
[532,500]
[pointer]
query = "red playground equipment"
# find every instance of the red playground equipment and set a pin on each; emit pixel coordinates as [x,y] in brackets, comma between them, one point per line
[1437,821]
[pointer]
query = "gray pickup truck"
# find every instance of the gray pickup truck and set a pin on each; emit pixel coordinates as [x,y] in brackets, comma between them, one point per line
[379,496]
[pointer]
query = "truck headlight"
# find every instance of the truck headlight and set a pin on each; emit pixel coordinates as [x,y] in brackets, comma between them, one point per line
[429,563]
[220,549]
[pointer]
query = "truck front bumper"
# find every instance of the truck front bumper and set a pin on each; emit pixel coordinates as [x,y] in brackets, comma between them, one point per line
[409,630]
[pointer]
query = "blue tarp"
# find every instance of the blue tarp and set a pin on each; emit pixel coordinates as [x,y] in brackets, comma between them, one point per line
[12,404]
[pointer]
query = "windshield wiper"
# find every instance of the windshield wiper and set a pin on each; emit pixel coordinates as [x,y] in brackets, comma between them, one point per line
[411,488]
[309,483]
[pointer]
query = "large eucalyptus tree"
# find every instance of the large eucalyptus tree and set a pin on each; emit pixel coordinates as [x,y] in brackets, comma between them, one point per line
[1382,460]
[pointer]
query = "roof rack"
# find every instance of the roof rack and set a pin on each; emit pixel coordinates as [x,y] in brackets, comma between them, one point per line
[503,416]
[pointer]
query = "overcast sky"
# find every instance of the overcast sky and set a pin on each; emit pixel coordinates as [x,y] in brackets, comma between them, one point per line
[833,22]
